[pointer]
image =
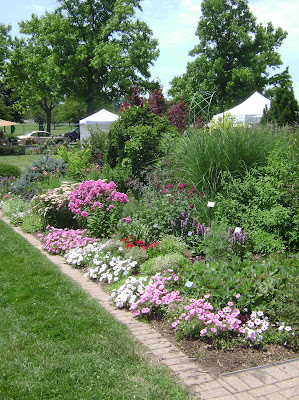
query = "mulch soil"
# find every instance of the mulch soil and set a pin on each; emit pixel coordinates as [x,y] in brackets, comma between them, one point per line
[219,361]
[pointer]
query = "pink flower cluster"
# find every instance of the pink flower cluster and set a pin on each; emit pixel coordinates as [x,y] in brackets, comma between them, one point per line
[202,310]
[156,294]
[59,241]
[92,195]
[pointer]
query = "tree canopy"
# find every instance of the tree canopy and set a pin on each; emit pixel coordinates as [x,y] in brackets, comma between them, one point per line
[233,57]
[112,49]
[89,50]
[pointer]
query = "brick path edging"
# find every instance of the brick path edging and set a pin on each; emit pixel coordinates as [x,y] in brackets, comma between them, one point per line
[271,382]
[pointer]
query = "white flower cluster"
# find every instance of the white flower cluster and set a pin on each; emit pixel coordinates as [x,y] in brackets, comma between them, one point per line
[254,328]
[80,256]
[108,268]
[128,293]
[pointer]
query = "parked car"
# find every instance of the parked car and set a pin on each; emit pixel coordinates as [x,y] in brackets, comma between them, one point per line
[41,137]
[73,135]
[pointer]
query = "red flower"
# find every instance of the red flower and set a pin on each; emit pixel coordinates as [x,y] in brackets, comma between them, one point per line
[143,247]
[182,186]
[124,240]
[191,206]
[154,244]
[140,242]
[130,245]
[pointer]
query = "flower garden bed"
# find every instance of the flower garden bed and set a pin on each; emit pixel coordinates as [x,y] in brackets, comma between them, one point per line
[196,283]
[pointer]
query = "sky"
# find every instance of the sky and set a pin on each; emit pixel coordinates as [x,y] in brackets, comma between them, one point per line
[174,23]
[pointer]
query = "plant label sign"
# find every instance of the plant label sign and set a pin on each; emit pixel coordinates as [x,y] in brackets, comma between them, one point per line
[189,284]
[211,204]
[238,229]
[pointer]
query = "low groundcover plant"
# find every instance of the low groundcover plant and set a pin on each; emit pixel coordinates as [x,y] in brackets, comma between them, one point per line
[59,241]
[110,268]
[128,293]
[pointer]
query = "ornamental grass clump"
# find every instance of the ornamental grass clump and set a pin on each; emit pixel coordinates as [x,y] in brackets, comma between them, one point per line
[97,206]
[60,241]
[128,293]
[157,295]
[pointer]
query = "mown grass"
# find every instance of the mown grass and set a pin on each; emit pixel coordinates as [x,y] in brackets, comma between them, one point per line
[21,161]
[58,343]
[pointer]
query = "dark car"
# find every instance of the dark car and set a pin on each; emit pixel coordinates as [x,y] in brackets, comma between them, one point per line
[73,135]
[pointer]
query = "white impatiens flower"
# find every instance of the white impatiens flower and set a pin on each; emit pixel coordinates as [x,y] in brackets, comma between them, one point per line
[80,256]
[128,293]
[111,268]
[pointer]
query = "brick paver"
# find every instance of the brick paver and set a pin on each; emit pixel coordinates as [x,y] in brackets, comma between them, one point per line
[277,382]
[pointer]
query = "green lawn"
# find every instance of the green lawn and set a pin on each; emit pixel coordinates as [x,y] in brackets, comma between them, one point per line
[21,161]
[57,343]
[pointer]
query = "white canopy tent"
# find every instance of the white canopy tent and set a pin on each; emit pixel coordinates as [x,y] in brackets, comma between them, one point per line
[101,119]
[248,112]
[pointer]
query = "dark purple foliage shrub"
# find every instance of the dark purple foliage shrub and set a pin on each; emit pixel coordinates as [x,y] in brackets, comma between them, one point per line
[178,115]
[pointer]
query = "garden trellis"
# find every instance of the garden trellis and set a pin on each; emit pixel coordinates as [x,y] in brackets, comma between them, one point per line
[200,108]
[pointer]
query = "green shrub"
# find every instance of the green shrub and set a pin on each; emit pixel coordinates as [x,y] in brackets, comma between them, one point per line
[119,175]
[96,145]
[160,209]
[33,223]
[170,244]
[215,243]
[135,228]
[136,136]
[10,170]
[264,202]
[76,162]
[158,264]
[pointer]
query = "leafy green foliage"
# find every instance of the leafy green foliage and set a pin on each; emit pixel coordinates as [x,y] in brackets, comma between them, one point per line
[33,223]
[284,107]
[161,263]
[15,209]
[135,138]
[96,146]
[259,283]
[76,162]
[265,202]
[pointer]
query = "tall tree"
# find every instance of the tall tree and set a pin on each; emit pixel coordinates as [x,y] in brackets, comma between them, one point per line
[6,107]
[113,49]
[34,73]
[284,106]
[234,54]
[86,49]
